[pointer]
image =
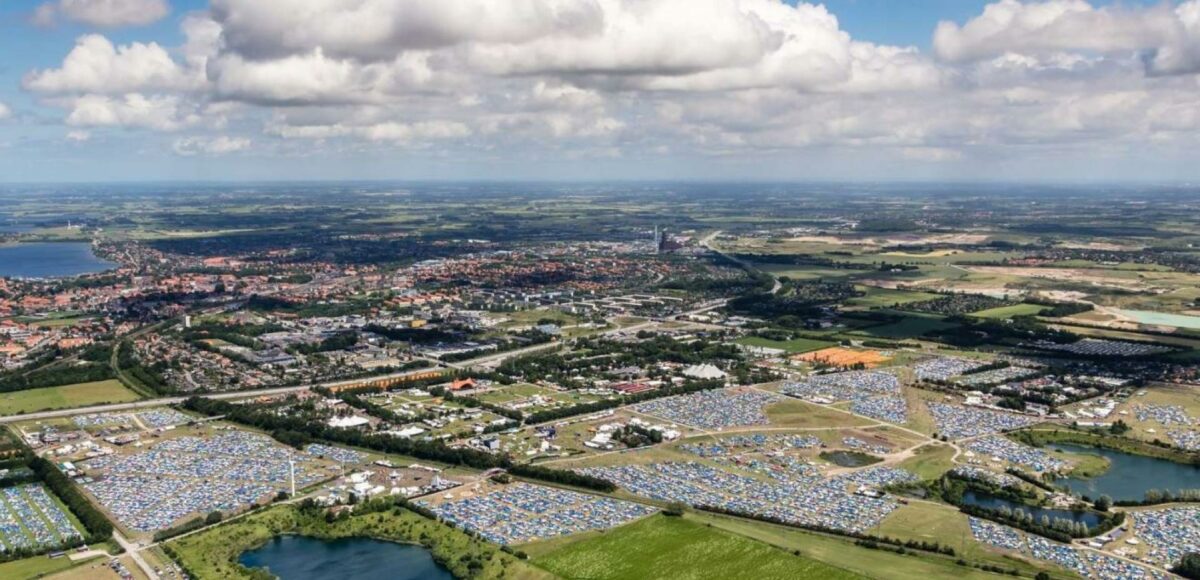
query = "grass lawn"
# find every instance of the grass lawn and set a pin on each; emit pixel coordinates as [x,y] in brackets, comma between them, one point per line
[843,553]
[1006,312]
[799,414]
[35,567]
[77,395]
[665,547]
[930,461]
[886,297]
[793,346]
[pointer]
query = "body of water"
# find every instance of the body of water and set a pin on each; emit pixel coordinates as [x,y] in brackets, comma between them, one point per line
[303,558]
[50,260]
[1129,476]
[989,501]
[1163,318]
[849,459]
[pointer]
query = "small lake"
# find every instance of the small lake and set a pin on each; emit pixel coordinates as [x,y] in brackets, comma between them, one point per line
[849,459]
[50,260]
[1129,476]
[1163,318]
[303,558]
[989,501]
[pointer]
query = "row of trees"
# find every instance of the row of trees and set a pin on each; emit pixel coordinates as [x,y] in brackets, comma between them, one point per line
[298,431]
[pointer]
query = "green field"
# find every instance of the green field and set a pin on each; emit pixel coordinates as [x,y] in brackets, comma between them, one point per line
[664,547]
[64,397]
[796,345]
[36,567]
[887,298]
[908,327]
[1005,312]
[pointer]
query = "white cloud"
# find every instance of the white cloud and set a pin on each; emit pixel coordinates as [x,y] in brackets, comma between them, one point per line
[161,113]
[1167,37]
[95,65]
[5,112]
[108,13]
[78,136]
[188,146]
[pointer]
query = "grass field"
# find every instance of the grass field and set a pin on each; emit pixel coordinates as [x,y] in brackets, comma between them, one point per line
[35,567]
[930,461]
[845,554]
[908,327]
[666,548]
[793,346]
[886,298]
[77,395]
[1005,312]
[795,413]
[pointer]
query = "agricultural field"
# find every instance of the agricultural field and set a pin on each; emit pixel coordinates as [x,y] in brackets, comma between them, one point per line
[1006,312]
[665,547]
[67,396]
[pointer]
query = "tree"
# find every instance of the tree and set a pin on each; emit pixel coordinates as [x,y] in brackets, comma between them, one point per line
[1042,576]
[1189,566]
[213,518]
[675,509]
[1103,503]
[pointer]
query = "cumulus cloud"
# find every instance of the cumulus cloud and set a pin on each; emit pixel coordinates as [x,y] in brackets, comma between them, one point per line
[78,136]
[1167,37]
[611,77]
[103,13]
[95,65]
[222,145]
[5,112]
[161,113]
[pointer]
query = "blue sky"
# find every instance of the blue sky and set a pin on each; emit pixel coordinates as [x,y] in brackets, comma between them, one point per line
[691,89]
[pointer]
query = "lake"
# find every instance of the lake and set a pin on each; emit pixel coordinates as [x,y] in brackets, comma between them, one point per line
[1162,318]
[303,558]
[50,260]
[1129,476]
[990,501]
[849,458]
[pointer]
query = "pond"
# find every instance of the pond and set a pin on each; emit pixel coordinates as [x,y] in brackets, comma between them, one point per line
[849,458]
[989,501]
[303,558]
[1129,476]
[50,260]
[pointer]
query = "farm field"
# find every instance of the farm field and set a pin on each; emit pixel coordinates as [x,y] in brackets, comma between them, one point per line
[77,395]
[887,298]
[665,547]
[1005,312]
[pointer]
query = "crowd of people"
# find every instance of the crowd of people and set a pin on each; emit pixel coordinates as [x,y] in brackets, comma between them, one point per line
[30,519]
[717,409]
[802,497]
[522,512]
[151,490]
[1005,449]
[957,422]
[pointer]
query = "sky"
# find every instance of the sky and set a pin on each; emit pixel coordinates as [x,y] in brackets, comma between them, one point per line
[770,90]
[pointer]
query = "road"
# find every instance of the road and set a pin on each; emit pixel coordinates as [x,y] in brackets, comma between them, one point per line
[707,243]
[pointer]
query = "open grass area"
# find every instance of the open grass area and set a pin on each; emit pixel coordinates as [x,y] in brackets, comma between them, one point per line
[796,413]
[35,567]
[887,298]
[843,553]
[1005,312]
[930,461]
[793,346]
[64,397]
[677,548]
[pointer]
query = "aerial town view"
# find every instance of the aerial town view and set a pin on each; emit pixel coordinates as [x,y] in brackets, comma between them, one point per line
[599,289]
